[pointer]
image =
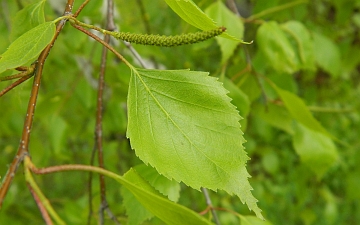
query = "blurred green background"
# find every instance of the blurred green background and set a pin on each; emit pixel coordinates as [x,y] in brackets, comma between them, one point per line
[308,48]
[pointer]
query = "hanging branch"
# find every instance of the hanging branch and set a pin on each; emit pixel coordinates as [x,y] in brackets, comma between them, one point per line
[23,149]
[99,112]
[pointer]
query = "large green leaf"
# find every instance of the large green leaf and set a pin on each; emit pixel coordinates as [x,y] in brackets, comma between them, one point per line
[27,46]
[164,209]
[27,18]
[276,47]
[183,124]
[194,16]
[235,27]
[315,149]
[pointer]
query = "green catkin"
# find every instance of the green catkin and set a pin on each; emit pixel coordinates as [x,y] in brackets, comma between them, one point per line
[169,41]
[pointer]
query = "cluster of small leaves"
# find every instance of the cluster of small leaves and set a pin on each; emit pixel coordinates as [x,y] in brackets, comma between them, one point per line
[169,41]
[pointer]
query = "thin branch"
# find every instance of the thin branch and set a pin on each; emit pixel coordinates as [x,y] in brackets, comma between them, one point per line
[29,71]
[208,202]
[23,149]
[103,43]
[81,8]
[90,193]
[42,200]
[41,207]
[232,6]
[13,85]
[144,17]
[136,54]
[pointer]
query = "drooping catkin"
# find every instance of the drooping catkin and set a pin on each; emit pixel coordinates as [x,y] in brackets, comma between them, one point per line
[169,41]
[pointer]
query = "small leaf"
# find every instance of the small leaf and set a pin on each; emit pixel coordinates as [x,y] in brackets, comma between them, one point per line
[304,43]
[316,150]
[27,47]
[277,49]
[164,209]
[136,212]
[27,18]
[194,16]
[183,124]
[299,111]
[327,54]
[276,116]
[222,15]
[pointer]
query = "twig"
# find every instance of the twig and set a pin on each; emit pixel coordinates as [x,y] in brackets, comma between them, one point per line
[81,8]
[13,85]
[24,142]
[147,26]
[136,54]
[28,71]
[232,6]
[103,43]
[41,207]
[208,202]
[40,198]
[144,17]
[99,112]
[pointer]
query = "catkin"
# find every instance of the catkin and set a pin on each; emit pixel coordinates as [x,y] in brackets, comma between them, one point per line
[169,41]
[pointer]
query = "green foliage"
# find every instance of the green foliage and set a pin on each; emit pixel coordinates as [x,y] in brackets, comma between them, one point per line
[27,18]
[27,46]
[222,15]
[187,121]
[295,88]
[166,210]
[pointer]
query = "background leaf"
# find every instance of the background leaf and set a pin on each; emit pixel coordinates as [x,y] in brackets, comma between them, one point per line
[315,149]
[136,212]
[167,211]
[235,27]
[27,46]
[304,43]
[299,111]
[183,124]
[327,54]
[194,16]
[276,47]
[27,18]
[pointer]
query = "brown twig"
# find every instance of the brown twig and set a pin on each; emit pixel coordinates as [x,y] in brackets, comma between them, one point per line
[13,85]
[96,38]
[232,6]
[81,8]
[99,112]
[41,206]
[24,142]
[209,203]
[29,71]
